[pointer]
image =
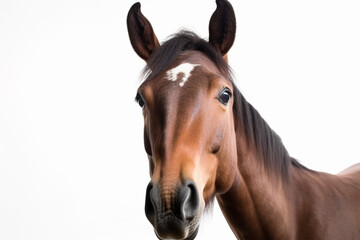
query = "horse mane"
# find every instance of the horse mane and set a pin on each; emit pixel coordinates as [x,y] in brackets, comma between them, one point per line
[260,136]
[258,133]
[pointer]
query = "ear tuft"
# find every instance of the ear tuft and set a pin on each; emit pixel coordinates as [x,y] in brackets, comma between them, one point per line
[141,33]
[222,27]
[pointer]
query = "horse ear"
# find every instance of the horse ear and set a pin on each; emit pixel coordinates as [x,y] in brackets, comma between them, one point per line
[141,34]
[222,27]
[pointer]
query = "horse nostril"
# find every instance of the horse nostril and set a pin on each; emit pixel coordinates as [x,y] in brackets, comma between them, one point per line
[191,202]
[150,202]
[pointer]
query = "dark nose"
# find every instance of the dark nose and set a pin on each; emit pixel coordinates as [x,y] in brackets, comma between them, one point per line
[183,205]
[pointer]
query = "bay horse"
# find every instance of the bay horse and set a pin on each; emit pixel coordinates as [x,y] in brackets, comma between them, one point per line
[205,141]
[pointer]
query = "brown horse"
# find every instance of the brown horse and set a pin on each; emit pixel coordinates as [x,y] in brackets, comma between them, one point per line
[204,140]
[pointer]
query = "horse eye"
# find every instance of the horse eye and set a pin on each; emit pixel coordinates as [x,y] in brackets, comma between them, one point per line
[224,96]
[139,99]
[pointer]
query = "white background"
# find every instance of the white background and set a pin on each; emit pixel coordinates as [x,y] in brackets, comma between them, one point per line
[72,164]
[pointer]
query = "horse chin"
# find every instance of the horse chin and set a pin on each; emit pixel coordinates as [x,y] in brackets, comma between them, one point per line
[177,229]
[191,236]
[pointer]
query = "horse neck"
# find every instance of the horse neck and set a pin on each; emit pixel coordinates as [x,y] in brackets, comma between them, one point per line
[273,196]
[256,206]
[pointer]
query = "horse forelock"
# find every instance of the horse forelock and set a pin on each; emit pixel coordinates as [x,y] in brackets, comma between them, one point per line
[164,56]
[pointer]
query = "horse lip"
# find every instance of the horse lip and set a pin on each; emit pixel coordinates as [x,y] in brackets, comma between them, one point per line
[168,226]
[192,235]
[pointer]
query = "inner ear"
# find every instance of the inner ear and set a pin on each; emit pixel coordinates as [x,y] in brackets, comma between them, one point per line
[141,33]
[222,27]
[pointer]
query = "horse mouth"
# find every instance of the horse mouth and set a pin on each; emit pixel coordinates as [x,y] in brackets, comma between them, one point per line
[171,227]
[171,234]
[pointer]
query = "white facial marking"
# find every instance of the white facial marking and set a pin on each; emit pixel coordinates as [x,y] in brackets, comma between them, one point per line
[184,70]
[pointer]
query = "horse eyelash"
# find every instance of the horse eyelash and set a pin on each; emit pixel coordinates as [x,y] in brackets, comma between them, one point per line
[139,98]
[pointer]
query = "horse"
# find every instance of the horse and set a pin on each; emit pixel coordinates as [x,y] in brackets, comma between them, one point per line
[205,141]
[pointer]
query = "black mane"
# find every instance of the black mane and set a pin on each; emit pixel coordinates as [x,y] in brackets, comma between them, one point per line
[258,133]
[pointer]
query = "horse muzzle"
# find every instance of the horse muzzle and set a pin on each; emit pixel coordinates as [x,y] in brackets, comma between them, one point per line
[174,211]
